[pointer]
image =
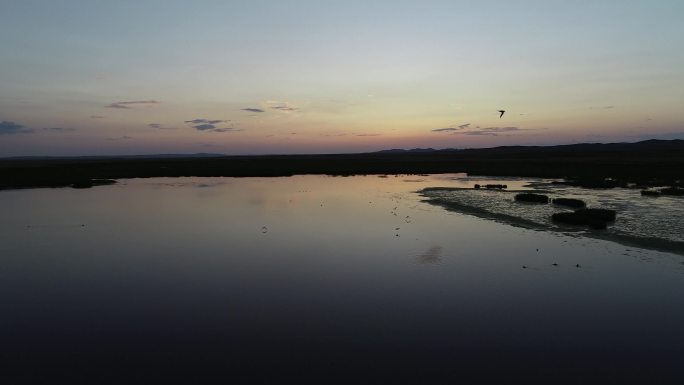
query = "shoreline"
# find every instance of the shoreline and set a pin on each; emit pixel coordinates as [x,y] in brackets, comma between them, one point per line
[649,163]
[655,244]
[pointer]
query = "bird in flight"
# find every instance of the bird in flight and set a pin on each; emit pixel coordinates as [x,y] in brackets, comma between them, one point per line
[502,112]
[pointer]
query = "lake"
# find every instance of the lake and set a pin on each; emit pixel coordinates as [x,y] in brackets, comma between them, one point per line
[349,279]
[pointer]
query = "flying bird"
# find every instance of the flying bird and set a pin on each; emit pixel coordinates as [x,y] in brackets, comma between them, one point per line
[502,112]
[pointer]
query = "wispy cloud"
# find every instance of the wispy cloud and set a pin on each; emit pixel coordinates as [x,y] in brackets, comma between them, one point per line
[59,129]
[602,108]
[206,121]
[452,128]
[160,126]
[280,106]
[367,135]
[491,131]
[251,109]
[465,129]
[131,104]
[226,129]
[125,137]
[96,117]
[205,127]
[211,125]
[10,128]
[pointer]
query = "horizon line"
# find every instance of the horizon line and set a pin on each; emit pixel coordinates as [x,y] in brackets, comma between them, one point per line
[211,154]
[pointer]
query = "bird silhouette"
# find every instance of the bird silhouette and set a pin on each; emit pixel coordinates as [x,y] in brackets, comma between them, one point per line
[502,112]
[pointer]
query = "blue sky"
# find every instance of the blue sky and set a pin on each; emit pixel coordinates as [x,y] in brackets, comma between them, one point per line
[131,77]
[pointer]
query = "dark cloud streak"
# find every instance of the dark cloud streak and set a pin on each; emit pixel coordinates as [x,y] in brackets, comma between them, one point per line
[160,126]
[10,128]
[490,131]
[204,127]
[457,128]
[210,125]
[206,121]
[59,129]
[130,104]
[227,129]
[281,106]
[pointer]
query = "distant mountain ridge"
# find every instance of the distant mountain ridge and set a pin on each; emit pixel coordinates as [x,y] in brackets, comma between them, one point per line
[400,150]
[645,144]
[95,157]
[647,163]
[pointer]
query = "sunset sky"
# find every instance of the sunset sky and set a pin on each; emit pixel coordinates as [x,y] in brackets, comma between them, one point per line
[254,77]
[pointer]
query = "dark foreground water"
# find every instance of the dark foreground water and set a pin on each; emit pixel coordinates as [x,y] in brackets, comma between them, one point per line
[351,280]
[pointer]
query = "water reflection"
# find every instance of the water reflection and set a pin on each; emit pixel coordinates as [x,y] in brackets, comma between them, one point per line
[431,256]
[264,280]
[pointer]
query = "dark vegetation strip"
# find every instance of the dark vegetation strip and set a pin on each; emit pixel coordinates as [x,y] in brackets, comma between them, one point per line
[648,163]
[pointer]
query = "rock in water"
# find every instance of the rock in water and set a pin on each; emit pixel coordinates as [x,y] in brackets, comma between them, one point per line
[672,191]
[570,202]
[602,214]
[593,218]
[531,198]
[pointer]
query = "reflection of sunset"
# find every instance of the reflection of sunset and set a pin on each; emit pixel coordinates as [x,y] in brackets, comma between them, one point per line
[223,267]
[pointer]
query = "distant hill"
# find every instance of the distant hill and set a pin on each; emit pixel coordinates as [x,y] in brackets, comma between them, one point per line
[571,149]
[399,150]
[650,162]
[580,148]
[95,157]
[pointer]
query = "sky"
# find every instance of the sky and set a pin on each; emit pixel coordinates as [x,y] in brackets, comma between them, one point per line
[272,77]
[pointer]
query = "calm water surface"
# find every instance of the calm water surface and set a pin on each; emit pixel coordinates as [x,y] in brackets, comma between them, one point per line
[264,280]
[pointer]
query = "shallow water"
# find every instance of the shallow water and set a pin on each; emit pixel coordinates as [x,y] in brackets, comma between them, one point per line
[652,222]
[314,277]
